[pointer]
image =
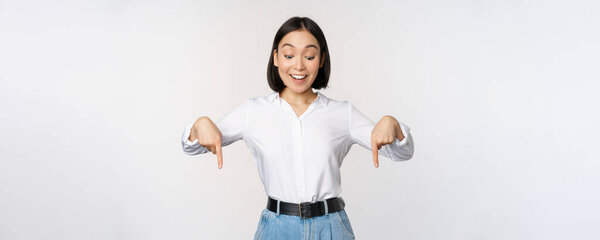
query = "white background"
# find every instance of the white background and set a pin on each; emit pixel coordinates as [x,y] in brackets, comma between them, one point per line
[500,96]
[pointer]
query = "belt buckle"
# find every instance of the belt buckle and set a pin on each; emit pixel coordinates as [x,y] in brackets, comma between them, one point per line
[300,208]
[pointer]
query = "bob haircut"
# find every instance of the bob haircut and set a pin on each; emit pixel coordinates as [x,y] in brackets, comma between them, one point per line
[293,24]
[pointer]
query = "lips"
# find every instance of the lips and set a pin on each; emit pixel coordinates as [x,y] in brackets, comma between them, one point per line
[300,80]
[298,76]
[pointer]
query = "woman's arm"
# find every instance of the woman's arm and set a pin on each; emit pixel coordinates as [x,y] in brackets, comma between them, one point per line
[231,128]
[391,137]
[191,147]
[389,131]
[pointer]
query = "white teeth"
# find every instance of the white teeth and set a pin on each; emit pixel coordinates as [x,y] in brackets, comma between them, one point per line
[298,76]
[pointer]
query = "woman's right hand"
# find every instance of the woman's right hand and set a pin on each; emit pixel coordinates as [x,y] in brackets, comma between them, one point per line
[209,136]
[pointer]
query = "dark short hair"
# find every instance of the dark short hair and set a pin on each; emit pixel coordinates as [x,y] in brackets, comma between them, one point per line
[293,24]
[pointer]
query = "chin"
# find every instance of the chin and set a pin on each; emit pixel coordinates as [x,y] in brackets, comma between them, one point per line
[297,89]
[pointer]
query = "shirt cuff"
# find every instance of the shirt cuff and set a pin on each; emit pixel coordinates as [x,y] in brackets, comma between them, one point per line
[405,132]
[186,137]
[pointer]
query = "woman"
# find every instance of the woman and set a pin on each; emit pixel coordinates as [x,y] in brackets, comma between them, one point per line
[298,138]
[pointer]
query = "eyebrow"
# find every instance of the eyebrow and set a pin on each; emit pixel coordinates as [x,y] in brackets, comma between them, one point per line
[307,46]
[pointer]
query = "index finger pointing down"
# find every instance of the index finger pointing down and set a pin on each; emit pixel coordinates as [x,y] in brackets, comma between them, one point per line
[219,154]
[374,148]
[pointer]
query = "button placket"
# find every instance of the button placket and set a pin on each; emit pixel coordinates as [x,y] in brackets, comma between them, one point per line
[298,148]
[298,157]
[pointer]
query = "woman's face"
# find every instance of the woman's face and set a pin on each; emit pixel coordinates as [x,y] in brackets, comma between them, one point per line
[298,60]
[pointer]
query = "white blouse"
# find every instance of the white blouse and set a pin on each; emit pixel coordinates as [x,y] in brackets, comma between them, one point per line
[299,158]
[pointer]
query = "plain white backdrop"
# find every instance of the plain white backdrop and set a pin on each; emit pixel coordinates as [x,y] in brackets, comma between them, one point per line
[500,96]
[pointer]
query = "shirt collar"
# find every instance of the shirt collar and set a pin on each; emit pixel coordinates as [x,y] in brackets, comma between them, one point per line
[275,99]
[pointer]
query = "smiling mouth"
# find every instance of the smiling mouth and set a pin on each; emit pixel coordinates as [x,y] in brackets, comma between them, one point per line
[298,77]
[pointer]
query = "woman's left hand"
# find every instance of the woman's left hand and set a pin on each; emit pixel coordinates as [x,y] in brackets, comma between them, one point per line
[384,132]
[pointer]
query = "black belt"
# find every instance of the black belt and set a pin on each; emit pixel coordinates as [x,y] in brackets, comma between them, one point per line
[306,209]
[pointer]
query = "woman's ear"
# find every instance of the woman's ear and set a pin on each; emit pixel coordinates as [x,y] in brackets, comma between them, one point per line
[322,60]
[275,58]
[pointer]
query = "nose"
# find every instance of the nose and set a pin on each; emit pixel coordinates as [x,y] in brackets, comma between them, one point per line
[299,64]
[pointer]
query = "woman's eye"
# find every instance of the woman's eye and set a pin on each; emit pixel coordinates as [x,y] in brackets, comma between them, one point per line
[290,56]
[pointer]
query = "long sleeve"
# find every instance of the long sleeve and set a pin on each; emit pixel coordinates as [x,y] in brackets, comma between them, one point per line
[232,127]
[361,127]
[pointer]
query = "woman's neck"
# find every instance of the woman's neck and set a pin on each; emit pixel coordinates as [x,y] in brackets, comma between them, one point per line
[304,98]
